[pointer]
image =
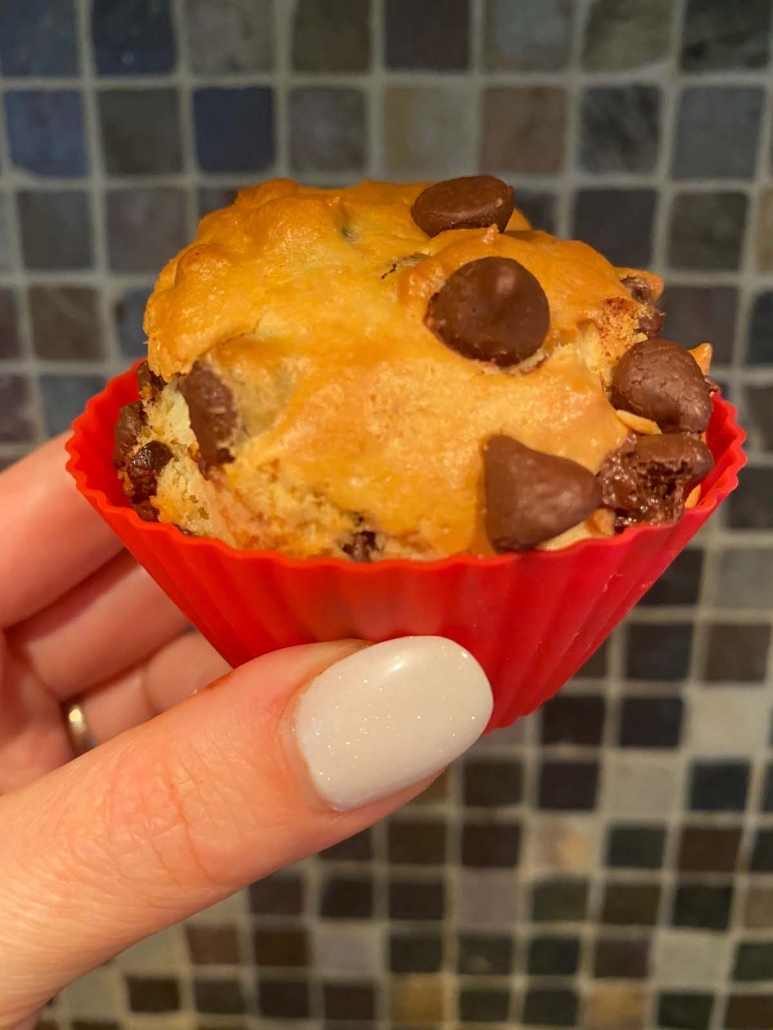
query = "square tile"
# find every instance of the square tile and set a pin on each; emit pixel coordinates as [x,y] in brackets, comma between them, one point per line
[528,36]
[349,1001]
[66,322]
[487,899]
[630,904]
[358,848]
[719,786]
[710,41]
[277,896]
[596,666]
[346,951]
[758,907]
[717,132]
[229,36]
[688,1011]
[96,995]
[140,131]
[695,314]
[415,953]
[427,133]
[65,397]
[762,852]
[416,843]
[417,900]
[45,131]
[478,1005]
[417,999]
[654,722]
[568,785]
[561,843]
[485,955]
[610,1006]
[280,947]
[5,243]
[702,906]
[327,130]
[284,999]
[618,223]
[573,719]
[161,952]
[524,129]
[218,996]
[616,959]
[748,1011]
[213,198]
[767,790]
[128,313]
[132,37]
[347,898]
[620,129]
[659,652]
[720,726]
[560,901]
[39,38]
[623,34]
[706,231]
[212,945]
[763,240]
[646,784]
[55,229]
[708,849]
[737,652]
[539,207]
[753,961]
[9,331]
[759,416]
[153,994]
[331,36]
[433,35]
[636,847]
[553,956]
[687,959]
[760,343]
[680,583]
[491,783]
[751,506]
[145,227]
[490,844]
[546,1006]
[234,128]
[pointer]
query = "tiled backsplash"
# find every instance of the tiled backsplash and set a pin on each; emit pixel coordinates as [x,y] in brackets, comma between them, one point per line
[607,863]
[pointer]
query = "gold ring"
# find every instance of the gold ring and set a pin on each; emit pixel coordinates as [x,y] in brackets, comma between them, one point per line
[78,730]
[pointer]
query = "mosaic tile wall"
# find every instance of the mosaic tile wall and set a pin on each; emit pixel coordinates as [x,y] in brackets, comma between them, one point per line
[608,863]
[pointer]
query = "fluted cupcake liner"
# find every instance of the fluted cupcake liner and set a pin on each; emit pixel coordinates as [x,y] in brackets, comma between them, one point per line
[531,619]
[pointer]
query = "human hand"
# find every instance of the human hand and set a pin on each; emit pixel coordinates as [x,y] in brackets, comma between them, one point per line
[193,793]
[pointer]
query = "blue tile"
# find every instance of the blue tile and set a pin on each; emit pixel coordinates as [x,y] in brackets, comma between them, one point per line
[45,131]
[717,132]
[65,397]
[132,37]
[37,37]
[618,223]
[129,312]
[16,425]
[234,129]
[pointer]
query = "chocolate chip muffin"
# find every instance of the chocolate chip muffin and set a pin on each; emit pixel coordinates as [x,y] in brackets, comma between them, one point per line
[406,371]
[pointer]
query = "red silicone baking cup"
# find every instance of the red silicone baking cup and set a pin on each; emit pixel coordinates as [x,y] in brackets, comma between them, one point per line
[531,619]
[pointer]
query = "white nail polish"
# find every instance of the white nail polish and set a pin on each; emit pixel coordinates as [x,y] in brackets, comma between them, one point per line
[389,716]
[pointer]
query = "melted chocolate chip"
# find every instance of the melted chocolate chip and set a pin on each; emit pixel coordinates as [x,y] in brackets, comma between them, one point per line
[146,511]
[470,202]
[212,415]
[648,479]
[651,322]
[127,432]
[361,546]
[492,309]
[150,384]
[532,497]
[639,288]
[659,380]
[144,467]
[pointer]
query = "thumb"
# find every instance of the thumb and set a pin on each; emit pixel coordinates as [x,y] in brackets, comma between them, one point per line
[281,758]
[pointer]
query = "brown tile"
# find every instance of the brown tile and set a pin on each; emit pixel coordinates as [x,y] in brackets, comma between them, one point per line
[65,322]
[631,904]
[277,896]
[764,242]
[615,1007]
[417,999]
[153,994]
[284,948]
[758,907]
[737,653]
[9,333]
[331,36]
[427,133]
[709,849]
[490,844]
[349,1001]
[212,945]
[749,1011]
[524,130]
[621,959]
[358,848]
[417,843]
[435,792]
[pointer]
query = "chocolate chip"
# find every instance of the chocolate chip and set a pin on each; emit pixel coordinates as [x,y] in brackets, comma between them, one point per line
[492,309]
[144,467]
[361,546]
[648,478]
[532,497]
[146,511]
[212,414]
[150,384]
[639,289]
[660,380]
[651,323]
[470,202]
[127,432]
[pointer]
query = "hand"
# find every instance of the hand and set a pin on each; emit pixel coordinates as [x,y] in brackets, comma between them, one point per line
[192,793]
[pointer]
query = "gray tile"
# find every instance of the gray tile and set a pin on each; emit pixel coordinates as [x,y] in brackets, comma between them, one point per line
[637,783]
[140,131]
[96,995]
[764,232]
[487,899]
[620,129]
[347,951]
[760,342]
[55,229]
[717,132]
[5,243]
[331,36]
[234,128]
[700,314]
[213,198]
[712,40]
[38,37]
[720,725]
[145,227]
[618,223]
[529,35]
[684,958]
[129,312]
[524,130]
[427,133]
[759,416]
[65,397]
[65,322]
[626,33]
[229,36]
[706,231]
[16,422]
[327,130]
[433,35]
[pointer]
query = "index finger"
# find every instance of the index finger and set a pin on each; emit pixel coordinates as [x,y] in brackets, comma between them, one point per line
[50,538]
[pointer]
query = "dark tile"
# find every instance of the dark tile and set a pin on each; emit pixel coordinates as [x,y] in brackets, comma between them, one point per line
[153,994]
[416,843]
[349,1001]
[214,198]
[65,322]
[5,243]
[706,231]
[483,1006]
[620,129]
[415,953]
[524,129]
[751,505]
[630,904]
[92,1024]
[767,791]
[719,786]
[489,784]
[221,996]
[284,999]
[712,40]
[132,37]
[528,36]
[234,128]
[490,844]
[680,583]
[573,719]
[617,959]
[717,132]
[45,131]
[618,223]
[685,1011]
[277,896]
[762,853]
[626,33]
[659,652]
[416,899]
[327,130]
[737,652]
[596,666]
[753,961]
[636,847]
[758,907]
[759,416]
[212,945]
[15,418]
[760,345]
[553,956]
[703,906]
[65,397]
[347,898]
[651,722]
[358,848]
[129,312]
[331,36]
[749,1011]
[560,901]
[140,131]
[278,947]
[698,313]
[708,849]
[485,955]
[145,227]
[55,229]
[9,331]
[539,207]
[229,36]
[431,35]
[38,37]
[545,1006]
[568,786]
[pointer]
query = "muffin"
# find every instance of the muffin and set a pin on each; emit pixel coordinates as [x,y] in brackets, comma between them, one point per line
[407,371]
